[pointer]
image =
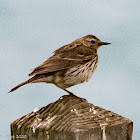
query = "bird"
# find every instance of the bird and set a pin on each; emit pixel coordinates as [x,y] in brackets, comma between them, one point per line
[70,64]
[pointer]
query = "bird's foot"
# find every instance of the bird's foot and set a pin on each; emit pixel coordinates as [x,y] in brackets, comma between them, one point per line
[72,94]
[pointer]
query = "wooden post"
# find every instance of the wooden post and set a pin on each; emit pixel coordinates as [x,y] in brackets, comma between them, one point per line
[71,118]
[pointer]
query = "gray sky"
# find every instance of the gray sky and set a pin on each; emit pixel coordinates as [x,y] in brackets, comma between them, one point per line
[31,30]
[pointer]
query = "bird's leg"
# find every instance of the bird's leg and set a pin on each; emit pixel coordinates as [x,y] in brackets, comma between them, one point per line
[69,92]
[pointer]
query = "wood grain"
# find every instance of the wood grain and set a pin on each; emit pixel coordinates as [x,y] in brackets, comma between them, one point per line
[72,118]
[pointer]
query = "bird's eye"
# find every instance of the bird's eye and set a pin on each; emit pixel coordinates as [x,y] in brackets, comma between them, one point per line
[92,41]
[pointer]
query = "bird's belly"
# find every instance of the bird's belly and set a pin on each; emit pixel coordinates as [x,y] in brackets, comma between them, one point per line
[81,73]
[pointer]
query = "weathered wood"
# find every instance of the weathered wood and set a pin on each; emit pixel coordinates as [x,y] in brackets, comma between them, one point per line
[72,118]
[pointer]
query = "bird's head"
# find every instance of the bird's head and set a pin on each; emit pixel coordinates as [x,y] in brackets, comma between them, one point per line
[91,41]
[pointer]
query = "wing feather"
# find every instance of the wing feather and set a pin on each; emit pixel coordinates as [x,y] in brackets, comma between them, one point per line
[65,58]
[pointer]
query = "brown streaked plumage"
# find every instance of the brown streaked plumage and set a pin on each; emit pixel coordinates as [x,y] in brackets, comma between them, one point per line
[70,65]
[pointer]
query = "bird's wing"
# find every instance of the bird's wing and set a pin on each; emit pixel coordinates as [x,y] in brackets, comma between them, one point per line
[65,58]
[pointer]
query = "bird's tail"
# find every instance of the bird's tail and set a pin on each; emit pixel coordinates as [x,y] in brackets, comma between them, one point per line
[35,79]
[18,86]
[22,84]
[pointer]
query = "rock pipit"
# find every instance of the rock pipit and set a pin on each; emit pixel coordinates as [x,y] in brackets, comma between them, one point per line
[70,65]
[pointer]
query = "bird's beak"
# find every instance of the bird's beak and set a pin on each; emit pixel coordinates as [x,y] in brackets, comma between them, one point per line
[103,43]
